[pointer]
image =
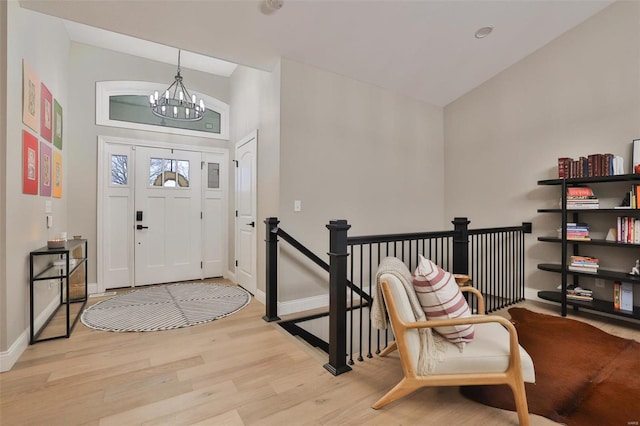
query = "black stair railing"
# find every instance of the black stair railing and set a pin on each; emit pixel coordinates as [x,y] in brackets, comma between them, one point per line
[494,257]
[271,290]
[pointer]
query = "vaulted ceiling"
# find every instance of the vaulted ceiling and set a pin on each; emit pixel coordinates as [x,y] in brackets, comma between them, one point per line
[424,49]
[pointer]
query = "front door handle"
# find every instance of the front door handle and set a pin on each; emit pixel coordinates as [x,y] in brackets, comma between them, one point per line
[252,224]
[141,227]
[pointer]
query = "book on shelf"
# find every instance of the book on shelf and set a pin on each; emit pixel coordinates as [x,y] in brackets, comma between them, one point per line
[585,269]
[578,231]
[584,260]
[616,295]
[626,297]
[618,165]
[623,296]
[585,206]
[579,297]
[584,264]
[580,191]
[574,292]
[582,197]
[579,291]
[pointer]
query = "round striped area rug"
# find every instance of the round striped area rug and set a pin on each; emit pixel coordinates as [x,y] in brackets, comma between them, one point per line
[166,307]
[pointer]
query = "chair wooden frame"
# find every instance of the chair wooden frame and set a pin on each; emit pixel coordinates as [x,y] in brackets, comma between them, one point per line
[512,376]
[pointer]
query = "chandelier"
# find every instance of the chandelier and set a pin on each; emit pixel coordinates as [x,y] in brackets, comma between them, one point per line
[177,103]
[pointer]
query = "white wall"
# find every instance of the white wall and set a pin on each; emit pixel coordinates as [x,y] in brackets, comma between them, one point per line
[255,100]
[88,64]
[43,42]
[3,175]
[351,150]
[578,95]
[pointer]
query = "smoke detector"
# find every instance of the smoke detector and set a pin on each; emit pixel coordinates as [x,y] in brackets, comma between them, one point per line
[270,6]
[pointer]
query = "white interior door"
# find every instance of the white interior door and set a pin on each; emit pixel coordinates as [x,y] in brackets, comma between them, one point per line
[246,210]
[168,216]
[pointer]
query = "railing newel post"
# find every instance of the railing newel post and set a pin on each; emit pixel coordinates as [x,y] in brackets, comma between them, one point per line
[461,245]
[338,252]
[271,284]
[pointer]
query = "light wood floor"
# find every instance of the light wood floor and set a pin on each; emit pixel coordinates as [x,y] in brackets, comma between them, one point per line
[238,370]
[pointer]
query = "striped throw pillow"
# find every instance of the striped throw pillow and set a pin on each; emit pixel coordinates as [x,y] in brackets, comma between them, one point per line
[441,298]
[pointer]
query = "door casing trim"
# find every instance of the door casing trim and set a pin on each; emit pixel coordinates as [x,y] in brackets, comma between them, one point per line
[103,140]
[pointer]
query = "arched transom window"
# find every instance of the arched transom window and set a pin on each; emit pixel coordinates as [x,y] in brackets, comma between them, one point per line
[126,104]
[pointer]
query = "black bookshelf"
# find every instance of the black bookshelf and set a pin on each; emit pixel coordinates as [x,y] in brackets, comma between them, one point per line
[595,304]
[576,247]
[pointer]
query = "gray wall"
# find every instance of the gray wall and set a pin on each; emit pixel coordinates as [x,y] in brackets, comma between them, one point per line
[351,150]
[87,65]
[338,146]
[24,227]
[578,95]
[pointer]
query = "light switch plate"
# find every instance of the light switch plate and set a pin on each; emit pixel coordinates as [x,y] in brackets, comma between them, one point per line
[297,206]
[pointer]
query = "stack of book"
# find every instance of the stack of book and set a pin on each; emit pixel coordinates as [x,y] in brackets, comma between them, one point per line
[628,230]
[581,197]
[578,231]
[579,293]
[584,264]
[591,165]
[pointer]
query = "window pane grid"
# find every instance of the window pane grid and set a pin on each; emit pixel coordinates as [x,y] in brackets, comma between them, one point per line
[169,173]
[119,169]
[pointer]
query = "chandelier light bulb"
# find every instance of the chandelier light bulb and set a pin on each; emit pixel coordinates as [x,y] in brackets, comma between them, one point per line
[181,96]
[164,109]
[193,99]
[175,111]
[201,105]
[151,100]
[155,95]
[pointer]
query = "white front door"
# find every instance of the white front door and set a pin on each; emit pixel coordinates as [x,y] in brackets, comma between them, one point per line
[168,223]
[246,210]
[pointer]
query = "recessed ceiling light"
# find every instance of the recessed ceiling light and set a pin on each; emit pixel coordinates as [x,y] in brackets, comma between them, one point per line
[484,31]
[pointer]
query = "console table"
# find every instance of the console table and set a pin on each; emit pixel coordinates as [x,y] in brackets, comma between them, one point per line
[67,269]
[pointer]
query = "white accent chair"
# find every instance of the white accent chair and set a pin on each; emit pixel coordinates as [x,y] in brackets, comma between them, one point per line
[493,357]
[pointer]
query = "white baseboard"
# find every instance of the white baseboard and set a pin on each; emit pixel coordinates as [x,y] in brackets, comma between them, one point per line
[39,321]
[230,276]
[532,294]
[300,305]
[92,288]
[260,296]
[9,357]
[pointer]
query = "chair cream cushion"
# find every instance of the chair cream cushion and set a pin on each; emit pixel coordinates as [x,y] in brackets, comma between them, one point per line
[489,351]
[441,298]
